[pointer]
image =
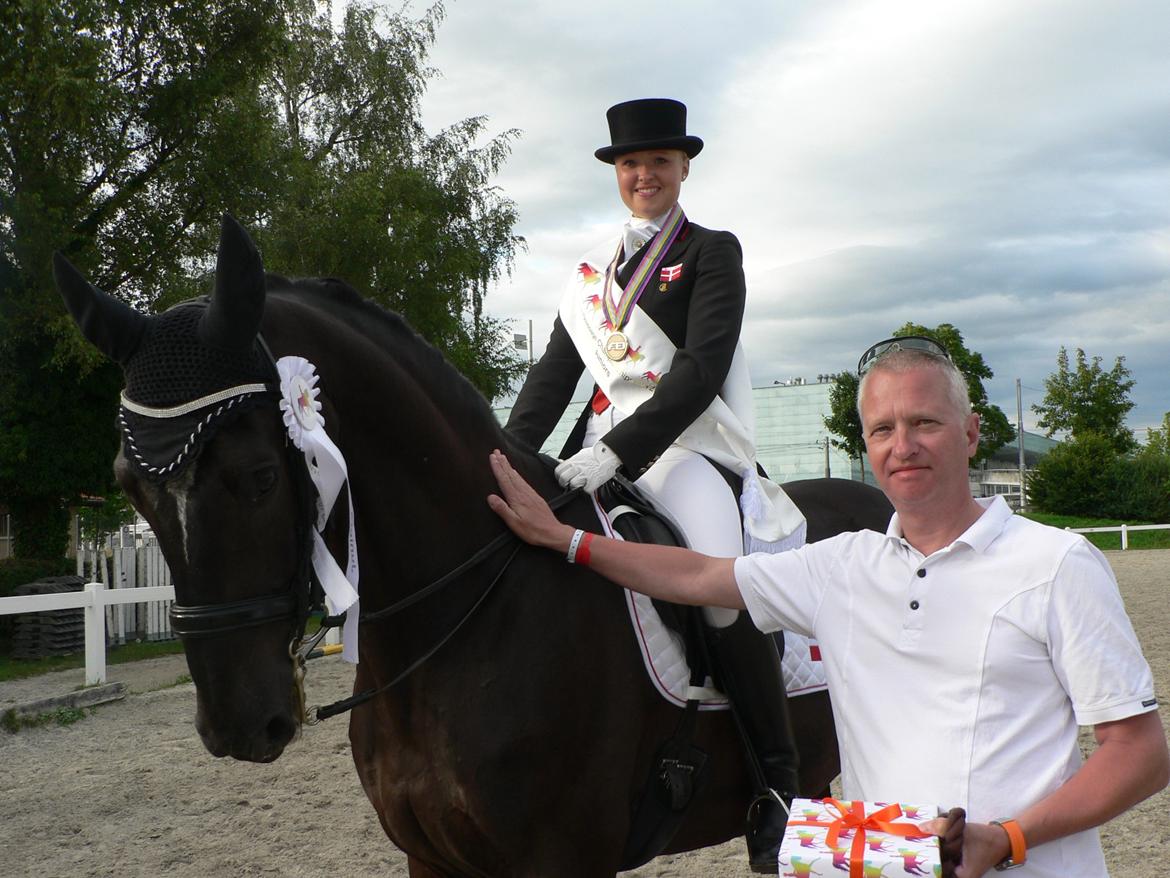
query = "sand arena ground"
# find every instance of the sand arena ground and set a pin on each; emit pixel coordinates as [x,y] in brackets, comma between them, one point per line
[130,791]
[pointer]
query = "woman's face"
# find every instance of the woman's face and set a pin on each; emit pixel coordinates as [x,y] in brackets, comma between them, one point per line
[649,181]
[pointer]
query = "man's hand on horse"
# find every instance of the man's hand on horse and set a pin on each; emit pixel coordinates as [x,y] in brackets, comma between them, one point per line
[523,510]
[589,468]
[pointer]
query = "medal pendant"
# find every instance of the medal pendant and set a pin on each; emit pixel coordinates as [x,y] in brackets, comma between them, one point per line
[617,346]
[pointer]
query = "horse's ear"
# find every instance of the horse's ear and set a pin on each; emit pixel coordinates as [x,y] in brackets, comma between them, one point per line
[233,319]
[112,326]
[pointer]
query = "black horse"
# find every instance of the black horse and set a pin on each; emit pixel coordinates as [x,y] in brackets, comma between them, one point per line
[518,749]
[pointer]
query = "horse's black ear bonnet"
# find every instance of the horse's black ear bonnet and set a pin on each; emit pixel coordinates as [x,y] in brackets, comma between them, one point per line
[173,369]
[188,371]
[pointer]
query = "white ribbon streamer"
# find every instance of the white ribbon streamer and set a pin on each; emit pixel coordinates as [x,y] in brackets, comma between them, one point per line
[306,427]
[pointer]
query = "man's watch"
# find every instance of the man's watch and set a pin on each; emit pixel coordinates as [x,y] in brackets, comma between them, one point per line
[1019,853]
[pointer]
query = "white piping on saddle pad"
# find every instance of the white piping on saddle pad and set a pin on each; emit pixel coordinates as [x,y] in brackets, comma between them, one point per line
[306,427]
[665,660]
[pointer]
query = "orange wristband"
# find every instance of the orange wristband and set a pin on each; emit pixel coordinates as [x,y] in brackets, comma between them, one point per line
[1019,851]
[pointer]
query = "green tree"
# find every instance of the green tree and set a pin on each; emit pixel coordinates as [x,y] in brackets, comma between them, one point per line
[1077,477]
[1158,439]
[410,219]
[112,149]
[994,429]
[843,422]
[1087,399]
[127,129]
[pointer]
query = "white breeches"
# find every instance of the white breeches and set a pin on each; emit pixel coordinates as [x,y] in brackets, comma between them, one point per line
[695,495]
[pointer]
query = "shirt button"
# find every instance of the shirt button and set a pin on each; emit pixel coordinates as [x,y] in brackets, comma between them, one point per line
[921,572]
[914,605]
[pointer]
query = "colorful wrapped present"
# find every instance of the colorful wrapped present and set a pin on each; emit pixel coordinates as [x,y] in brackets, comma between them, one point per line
[864,839]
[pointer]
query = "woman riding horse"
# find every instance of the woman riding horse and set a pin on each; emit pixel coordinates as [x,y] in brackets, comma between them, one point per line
[655,315]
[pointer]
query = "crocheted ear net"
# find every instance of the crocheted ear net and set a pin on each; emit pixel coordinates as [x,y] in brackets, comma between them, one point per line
[174,366]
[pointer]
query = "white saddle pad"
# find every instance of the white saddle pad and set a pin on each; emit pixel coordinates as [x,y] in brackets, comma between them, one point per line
[666,663]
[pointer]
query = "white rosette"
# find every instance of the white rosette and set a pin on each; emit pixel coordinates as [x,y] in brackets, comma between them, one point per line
[301,411]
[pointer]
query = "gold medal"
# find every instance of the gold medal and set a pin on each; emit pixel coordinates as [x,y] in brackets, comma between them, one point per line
[617,346]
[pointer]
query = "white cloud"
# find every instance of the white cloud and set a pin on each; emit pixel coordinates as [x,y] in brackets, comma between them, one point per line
[1001,166]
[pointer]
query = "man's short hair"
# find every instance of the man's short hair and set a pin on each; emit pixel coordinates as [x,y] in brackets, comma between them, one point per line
[907,360]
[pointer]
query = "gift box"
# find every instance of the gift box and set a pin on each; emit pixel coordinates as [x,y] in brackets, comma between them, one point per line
[862,839]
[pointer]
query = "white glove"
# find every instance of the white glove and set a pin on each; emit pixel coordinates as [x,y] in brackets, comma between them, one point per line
[589,468]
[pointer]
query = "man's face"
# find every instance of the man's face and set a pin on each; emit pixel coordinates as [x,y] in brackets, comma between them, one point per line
[650,181]
[919,443]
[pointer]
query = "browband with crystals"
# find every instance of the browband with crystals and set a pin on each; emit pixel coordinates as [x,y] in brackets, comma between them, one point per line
[195,404]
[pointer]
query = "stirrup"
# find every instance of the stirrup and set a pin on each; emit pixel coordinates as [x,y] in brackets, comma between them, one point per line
[769,796]
[765,831]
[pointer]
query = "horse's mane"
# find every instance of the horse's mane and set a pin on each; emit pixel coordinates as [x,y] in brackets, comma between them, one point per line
[394,335]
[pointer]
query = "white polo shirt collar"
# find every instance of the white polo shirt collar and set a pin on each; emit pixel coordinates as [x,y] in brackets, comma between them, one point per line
[979,536]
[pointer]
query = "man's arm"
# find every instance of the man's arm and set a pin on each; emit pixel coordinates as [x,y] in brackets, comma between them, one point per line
[676,575]
[1130,764]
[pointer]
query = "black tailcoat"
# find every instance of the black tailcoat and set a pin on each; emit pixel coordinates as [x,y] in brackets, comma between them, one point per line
[701,312]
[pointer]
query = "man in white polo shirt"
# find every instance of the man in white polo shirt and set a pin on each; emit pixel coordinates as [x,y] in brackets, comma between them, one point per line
[963,647]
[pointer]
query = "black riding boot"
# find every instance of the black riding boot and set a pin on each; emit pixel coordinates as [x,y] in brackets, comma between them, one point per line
[748,670]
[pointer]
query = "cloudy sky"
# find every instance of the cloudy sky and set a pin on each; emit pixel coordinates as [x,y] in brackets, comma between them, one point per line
[1000,165]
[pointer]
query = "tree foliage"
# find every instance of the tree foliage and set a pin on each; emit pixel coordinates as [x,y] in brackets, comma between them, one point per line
[413,220]
[1158,439]
[995,431]
[1087,399]
[1085,475]
[109,114]
[127,129]
[1077,477]
[843,421]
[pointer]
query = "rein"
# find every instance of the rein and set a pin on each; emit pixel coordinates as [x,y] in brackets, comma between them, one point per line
[325,712]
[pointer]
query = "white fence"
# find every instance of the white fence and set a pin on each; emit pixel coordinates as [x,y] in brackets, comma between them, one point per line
[130,559]
[96,601]
[1123,529]
[128,597]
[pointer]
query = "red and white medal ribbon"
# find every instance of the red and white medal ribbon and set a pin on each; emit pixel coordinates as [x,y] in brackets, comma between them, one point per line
[301,412]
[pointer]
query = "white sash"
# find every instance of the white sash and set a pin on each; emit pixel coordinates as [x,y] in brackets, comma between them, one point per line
[723,433]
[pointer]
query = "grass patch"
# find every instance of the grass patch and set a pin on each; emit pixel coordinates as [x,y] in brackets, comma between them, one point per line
[18,669]
[1142,539]
[62,716]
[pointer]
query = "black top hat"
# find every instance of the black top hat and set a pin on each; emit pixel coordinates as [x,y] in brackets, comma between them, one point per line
[648,123]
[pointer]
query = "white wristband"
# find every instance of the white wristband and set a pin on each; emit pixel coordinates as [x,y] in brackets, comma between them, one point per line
[573,544]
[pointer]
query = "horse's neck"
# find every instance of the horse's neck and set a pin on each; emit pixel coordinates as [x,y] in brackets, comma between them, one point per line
[414,440]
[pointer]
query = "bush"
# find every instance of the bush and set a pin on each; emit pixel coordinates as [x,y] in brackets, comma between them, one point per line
[1086,476]
[1077,477]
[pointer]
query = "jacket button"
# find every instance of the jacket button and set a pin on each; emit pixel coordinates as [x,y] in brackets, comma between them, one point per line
[921,573]
[914,605]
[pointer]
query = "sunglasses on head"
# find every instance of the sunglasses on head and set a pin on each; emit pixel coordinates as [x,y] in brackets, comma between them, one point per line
[902,343]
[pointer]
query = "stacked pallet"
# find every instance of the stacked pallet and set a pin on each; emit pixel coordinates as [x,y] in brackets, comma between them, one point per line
[50,632]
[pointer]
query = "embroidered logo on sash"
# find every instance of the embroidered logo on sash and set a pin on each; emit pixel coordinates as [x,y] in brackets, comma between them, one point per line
[589,274]
[673,272]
